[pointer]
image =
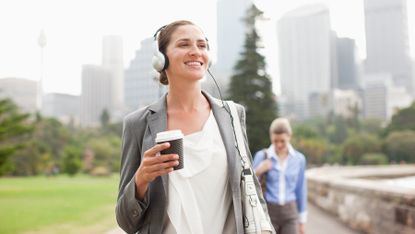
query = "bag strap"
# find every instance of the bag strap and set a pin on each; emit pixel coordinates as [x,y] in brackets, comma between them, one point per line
[238,135]
[264,176]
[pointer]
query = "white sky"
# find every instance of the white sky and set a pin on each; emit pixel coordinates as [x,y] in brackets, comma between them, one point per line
[74,31]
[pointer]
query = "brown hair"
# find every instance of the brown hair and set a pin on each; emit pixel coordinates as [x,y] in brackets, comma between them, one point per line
[164,40]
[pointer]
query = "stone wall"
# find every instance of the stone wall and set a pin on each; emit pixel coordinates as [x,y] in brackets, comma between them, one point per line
[367,205]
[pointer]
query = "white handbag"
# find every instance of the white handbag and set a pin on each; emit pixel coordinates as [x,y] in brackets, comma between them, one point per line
[255,220]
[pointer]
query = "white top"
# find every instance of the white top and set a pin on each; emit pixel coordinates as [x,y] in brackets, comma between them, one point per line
[200,199]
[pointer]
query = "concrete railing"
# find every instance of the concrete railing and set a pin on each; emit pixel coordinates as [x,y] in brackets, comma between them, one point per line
[362,201]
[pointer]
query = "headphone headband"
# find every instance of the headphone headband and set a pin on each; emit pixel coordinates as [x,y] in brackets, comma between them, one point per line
[160,61]
[159,30]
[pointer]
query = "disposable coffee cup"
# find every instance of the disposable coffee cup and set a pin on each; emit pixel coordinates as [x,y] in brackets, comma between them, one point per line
[175,138]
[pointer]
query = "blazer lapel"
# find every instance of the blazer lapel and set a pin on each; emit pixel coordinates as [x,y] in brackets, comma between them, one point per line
[157,122]
[225,127]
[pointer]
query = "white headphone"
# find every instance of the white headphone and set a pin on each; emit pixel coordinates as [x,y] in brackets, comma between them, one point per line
[160,61]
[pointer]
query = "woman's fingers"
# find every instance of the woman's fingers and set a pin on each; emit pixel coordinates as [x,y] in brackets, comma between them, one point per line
[156,149]
[149,161]
[163,165]
[153,166]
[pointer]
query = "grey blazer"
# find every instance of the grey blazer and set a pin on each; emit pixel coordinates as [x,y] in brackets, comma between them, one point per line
[139,131]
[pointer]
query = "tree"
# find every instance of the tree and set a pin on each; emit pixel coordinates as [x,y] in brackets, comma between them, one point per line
[314,149]
[71,160]
[105,118]
[358,145]
[305,131]
[44,147]
[251,86]
[404,119]
[13,125]
[105,151]
[400,146]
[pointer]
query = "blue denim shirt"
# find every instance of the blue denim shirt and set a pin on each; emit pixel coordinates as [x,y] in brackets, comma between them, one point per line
[286,181]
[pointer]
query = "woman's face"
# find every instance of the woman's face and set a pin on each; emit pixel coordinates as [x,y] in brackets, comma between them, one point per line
[280,142]
[187,53]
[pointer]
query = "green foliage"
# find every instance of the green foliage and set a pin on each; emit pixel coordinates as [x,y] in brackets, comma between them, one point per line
[373,159]
[71,160]
[13,127]
[305,131]
[402,120]
[106,152]
[44,147]
[358,145]
[314,149]
[251,87]
[372,126]
[105,118]
[400,146]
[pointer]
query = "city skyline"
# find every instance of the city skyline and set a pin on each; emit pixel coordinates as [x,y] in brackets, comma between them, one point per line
[75,39]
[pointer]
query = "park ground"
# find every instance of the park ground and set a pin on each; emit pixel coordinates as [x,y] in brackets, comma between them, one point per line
[85,204]
[62,204]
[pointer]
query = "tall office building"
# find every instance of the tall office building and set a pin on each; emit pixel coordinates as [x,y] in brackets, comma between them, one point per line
[347,67]
[95,98]
[112,60]
[64,107]
[141,88]
[230,37]
[305,52]
[387,41]
[23,92]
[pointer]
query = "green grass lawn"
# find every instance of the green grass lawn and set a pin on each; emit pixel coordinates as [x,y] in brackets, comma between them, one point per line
[62,204]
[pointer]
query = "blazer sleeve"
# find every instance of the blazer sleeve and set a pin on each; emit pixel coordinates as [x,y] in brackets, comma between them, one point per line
[242,117]
[129,210]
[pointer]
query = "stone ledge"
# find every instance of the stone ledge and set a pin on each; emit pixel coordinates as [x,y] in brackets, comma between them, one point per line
[365,204]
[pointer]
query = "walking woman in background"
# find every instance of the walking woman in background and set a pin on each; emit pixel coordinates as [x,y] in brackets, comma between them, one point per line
[285,185]
[204,196]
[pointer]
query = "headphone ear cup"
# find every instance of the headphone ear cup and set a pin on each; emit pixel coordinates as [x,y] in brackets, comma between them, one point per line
[158,61]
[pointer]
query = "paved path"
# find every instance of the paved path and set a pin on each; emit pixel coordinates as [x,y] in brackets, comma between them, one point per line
[319,222]
[322,222]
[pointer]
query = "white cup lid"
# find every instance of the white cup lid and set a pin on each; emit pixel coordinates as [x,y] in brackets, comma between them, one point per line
[169,135]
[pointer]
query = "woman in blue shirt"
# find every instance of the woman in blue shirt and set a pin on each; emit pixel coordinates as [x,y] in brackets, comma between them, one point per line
[285,186]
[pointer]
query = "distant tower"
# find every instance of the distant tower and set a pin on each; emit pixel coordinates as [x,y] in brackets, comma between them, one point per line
[230,37]
[387,41]
[112,59]
[305,57]
[41,41]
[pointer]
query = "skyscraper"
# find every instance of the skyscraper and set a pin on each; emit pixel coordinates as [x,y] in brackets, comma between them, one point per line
[95,98]
[140,86]
[387,42]
[347,73]
[230,37]
[305,51]
[112,60]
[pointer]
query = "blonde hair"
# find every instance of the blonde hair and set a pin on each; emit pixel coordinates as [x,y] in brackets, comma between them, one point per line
[280,126]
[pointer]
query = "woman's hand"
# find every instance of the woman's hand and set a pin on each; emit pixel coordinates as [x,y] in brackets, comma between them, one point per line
[302,228]
[265,166]
[153,166]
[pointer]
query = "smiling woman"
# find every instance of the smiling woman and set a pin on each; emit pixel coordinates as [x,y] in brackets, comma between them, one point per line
[152,197]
